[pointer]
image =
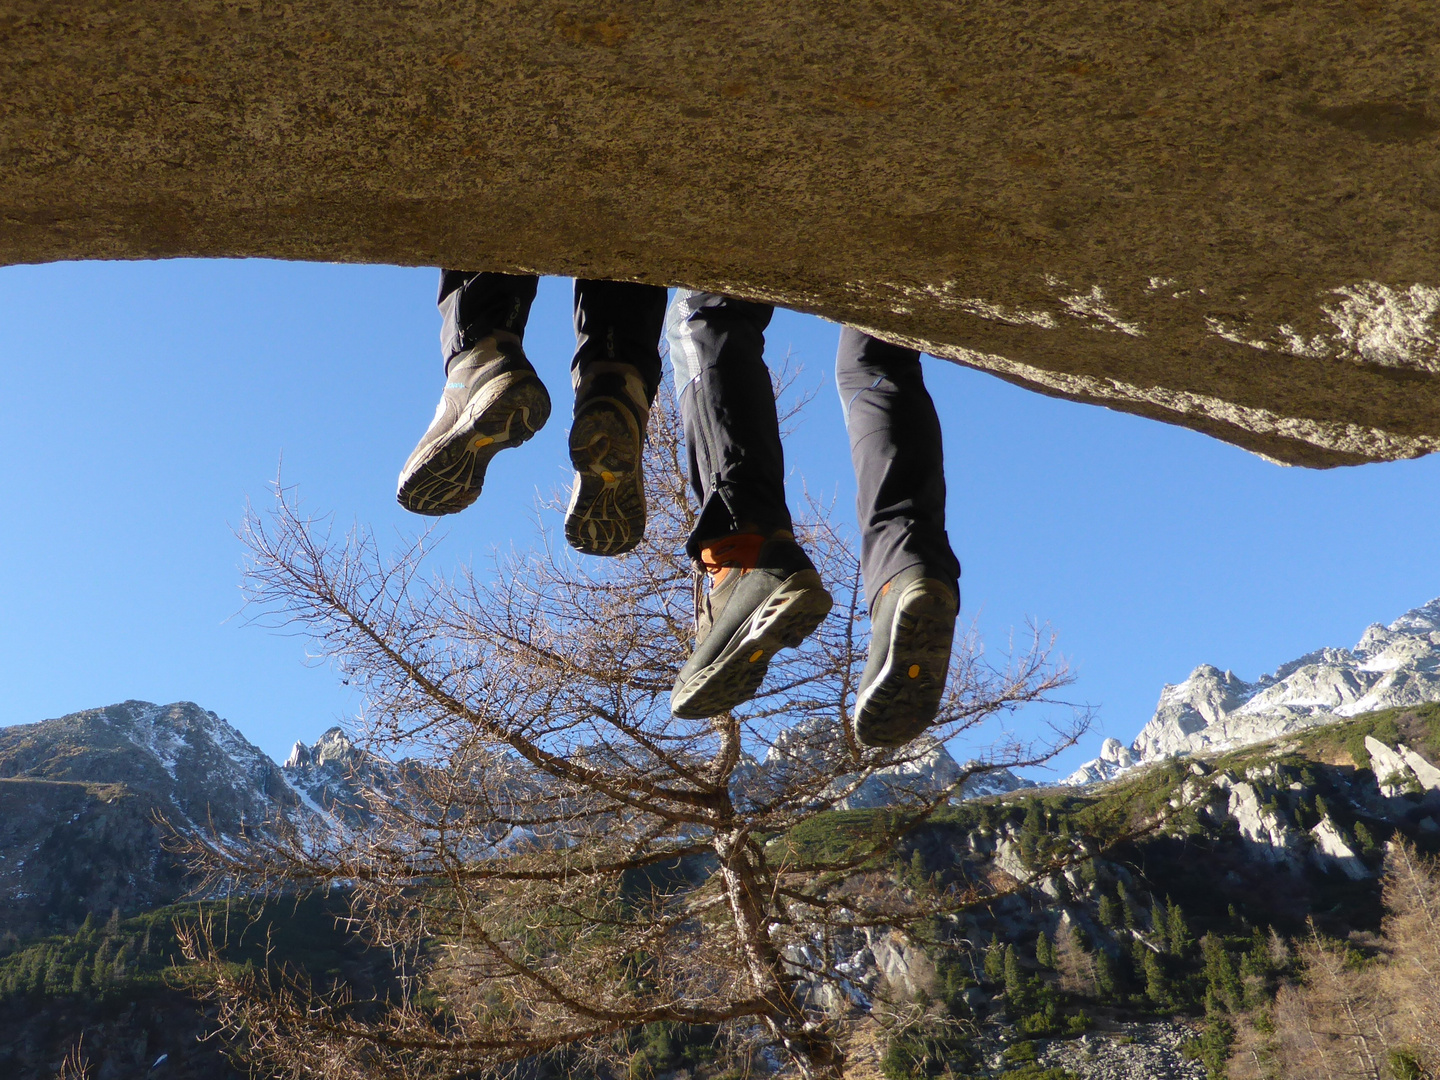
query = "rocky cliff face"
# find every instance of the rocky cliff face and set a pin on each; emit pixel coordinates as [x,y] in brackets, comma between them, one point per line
[1391,666]
[180,758]
[336,779]
[1224,219]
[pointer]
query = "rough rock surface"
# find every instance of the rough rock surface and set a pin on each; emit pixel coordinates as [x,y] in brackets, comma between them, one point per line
[1221,217]
[1136,1052]
[1115,757]
[1391,666]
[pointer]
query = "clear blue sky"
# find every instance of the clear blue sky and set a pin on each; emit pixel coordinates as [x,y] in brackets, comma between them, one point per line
[141,404]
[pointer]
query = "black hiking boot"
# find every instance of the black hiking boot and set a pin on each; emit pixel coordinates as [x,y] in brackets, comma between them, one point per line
[911,631]
[606,515]
[764,596]
[493,399]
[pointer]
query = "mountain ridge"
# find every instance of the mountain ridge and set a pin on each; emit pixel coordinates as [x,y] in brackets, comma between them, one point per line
[1391,666]
[83,796]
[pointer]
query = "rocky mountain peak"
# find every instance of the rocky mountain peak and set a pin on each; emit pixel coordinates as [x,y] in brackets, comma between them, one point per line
[333,745]
[1394,665]
[1422,620]
[180,756]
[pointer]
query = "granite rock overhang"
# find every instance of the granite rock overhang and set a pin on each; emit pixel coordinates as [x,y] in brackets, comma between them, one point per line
[1223,216]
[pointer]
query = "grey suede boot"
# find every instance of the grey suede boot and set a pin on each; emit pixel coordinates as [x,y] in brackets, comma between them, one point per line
[764,596]
[492,400]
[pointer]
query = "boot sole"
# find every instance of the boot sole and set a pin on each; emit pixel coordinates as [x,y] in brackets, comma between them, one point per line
[902,701]
[606,515]
[448,478]
[786,618]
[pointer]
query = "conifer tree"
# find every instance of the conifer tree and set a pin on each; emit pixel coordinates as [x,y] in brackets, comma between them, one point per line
[1017,986]
[1127,908]
[1109,912]
[1044,951]
[1177,932]
[994,964]
[1157,984]
[39,972]
[100,973]
[1222,981]
[1107,975]
[1075,965]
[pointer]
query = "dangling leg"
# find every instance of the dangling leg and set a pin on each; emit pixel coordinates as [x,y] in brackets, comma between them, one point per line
[492,398]
[911,574]
[764,592]
[615,373]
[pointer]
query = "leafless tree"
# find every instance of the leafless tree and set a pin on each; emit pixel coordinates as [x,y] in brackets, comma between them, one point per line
[1412,936]
[565,861]
[1347,1016]
[1075,965]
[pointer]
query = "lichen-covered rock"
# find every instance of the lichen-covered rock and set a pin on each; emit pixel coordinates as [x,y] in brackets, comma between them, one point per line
[1225,218]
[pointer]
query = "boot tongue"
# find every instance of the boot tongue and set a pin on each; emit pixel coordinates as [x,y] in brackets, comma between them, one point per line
[740,551]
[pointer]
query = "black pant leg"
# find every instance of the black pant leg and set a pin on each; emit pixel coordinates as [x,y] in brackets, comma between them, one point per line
[619,321]
[727,402]
[895,444]
[475,305]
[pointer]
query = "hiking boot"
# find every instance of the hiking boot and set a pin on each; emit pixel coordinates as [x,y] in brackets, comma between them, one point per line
[911,631]
[606,515]
[764,596]
[493,399]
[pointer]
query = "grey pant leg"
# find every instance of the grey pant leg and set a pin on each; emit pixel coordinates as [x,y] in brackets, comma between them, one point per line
[474,305]
[895,444]
[727,403]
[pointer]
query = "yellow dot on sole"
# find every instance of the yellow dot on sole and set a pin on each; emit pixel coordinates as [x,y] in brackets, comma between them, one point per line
[757,655]
[483,440]
[914,671]
[608,477]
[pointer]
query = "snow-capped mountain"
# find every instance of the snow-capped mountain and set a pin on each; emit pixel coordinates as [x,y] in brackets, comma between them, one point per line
[1390,666]
[80,795]
[333,777]
[192,765]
